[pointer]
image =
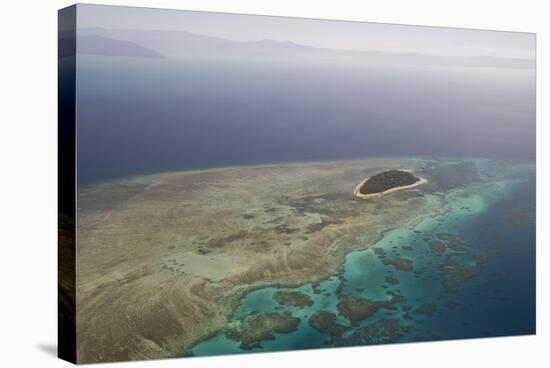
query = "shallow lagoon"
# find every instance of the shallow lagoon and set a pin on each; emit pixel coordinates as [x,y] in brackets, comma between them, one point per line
[494,220]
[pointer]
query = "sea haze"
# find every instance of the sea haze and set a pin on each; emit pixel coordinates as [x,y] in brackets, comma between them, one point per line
[144,115]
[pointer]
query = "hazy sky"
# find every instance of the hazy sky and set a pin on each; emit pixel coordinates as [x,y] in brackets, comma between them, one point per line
[317,33]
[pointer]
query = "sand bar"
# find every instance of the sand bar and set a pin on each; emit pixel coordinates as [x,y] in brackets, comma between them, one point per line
[357,189]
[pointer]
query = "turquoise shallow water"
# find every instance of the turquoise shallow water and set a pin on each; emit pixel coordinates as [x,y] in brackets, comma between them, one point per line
[494,218]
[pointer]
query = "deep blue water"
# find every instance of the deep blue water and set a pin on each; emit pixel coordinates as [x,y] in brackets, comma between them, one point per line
[144,115]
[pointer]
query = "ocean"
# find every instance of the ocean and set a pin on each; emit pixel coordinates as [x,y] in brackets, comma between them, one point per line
[138,115]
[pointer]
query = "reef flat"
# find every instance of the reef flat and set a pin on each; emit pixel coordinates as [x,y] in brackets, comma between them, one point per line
[293,298]
[172,254]
[259,258]
[257,328]
[359,309]
[438,279]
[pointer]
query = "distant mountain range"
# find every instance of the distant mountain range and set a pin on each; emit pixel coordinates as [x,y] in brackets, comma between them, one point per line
[187,45]
[100,45]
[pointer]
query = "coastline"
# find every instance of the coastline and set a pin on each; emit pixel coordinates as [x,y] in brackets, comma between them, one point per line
[357,189]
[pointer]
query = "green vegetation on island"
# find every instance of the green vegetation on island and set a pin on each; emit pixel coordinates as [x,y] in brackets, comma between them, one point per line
[387,180]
